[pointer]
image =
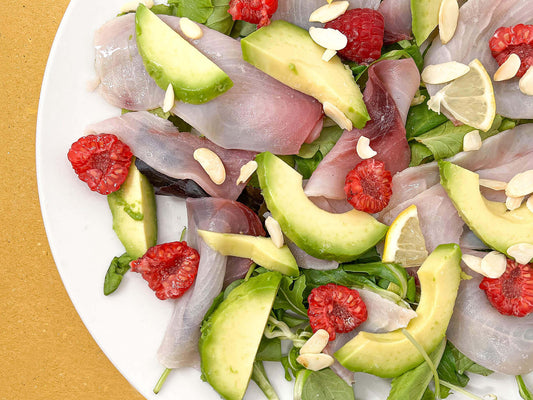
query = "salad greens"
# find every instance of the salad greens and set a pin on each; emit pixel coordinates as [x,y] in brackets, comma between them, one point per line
[118,267]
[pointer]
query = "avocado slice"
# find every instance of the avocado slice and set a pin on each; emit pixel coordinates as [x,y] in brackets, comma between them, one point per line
[340,237]
[489,220]
[287,53]
[134,213]
[170,59]
[232,333]
[425,15]
[260,249]
[391,354]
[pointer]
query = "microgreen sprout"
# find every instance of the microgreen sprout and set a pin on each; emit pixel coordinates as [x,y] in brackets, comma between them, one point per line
[279,329]
[162,380]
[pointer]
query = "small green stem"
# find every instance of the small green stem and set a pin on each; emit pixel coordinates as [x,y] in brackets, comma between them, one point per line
[183,232]
[467,393]
[162,380]
[250,271]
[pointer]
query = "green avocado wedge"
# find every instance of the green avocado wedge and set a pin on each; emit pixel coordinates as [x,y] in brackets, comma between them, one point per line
[287,53]
[232,333]
[391,354]
[260,249]
[496,226]
[340,237]
[170,59]
[425,15]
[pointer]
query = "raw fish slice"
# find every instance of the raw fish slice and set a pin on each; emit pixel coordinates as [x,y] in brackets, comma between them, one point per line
[307,261]
[385,129]
[397,16]
[159,144]
[124,82]
[498,342]
[478,20]
[179,347]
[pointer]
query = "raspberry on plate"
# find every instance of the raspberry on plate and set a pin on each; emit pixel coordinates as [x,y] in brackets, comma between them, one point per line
[364,29]
[511,293]
[336,309]
[102,161]
[516,39]
[253,11]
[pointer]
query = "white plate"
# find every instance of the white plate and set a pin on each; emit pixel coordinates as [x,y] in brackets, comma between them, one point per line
[129,324]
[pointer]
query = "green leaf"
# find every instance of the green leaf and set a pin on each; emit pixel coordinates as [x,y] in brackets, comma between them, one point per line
[420,119]
[326,385]
[306,166]
[220,19]
[242,29]
[260,377]
[465,364]
[448,371]
[198,10]
[523,389]
[290,295]
[391,272]
[324,143]
[118,267]
[269,350]
[420,154]
[163,9]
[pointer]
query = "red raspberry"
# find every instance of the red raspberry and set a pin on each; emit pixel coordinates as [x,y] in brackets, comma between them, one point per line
[511,293]
[253,11]
[335,308]
[102,161]
[169,268]
[364,29]
[516,39]
[368,186]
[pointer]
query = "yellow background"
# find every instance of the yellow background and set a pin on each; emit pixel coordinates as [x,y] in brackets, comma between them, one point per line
[45,350]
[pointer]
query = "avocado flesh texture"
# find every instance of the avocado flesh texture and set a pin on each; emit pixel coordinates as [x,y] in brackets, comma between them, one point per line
[391,354]
[287,53]
[232,333]
[134,213]
[170,59]
[489,220]
[261,250]
[340,237]
[425,15]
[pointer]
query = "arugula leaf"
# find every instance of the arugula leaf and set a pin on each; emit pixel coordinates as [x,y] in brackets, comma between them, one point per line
[118,267]
[260,377]
[269,350]
[391,272]
[448,371]
[420,154]
[199,10]
[242,29]
[420,119]
[522,389]
[163,9]
[324,143]
[220,19]
[326,385]
[290,295]
[306,166]
[465,364]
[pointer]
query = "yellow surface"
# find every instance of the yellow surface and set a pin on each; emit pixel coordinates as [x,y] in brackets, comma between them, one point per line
[45,350]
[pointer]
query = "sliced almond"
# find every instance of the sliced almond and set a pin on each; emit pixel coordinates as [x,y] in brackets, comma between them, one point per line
[337,115]
[364,150]
[132,5]
[190,28]
[472,262]
[529,203]
[472,141]
[168,102]
[492,184]
[246,171]
[526,82]
[328,54]
[437,74]
[493,265]
[508,69]
[512,203]
[521,252]
[315,362]
[274,230]
[316,343]
[212,164]
[520,185]
[328,38]
[329,11]
[448,17]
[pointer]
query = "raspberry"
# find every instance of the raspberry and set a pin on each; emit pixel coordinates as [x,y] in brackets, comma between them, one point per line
[335,308]
[102,161]
[169,268]
[368,186]
[253,11]
[516,39]
[511,293]
[364,29]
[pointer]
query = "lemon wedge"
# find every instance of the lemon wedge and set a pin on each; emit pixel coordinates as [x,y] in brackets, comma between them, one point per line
[469,98]
[404,243]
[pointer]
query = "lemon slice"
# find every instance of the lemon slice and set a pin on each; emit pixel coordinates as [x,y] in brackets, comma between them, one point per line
[469,98]
[405,242]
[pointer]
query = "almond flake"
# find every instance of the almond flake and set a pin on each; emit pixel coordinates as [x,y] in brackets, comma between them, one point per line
[512,203]
[274,230]
[190,28]
[315,362]
[437,74]
[472,262]
[508,69]
[328,54]
[472,141]
[329,11]
[168,102]
[328,38]
[492,184]
[493,265]
[246,171]
[526,82]
[529,204]
[316,343]
[337,115]
[520,185]
[212,164]
[448,17]
[364,150]
[132,5]
[521,252]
